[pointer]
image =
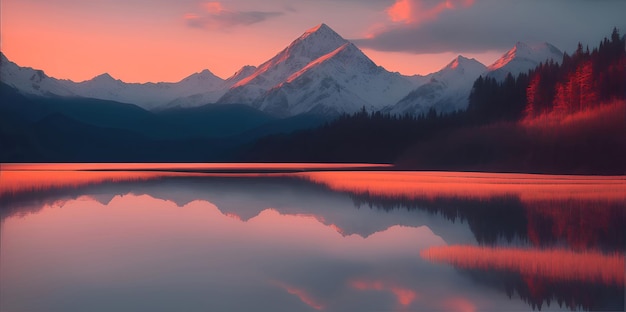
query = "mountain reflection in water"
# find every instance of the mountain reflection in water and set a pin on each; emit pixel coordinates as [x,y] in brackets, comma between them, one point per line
[174,238]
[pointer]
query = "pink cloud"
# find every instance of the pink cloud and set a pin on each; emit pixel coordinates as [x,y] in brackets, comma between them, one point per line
[213,7]
[419,11]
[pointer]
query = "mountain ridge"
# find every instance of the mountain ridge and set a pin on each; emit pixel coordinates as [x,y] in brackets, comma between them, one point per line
[298,79]
[446,91]
[523,57]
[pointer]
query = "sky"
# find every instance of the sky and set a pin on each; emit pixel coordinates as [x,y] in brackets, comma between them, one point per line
[167,40]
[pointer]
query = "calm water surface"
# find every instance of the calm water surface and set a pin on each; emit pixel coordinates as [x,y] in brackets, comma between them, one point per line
[296,237]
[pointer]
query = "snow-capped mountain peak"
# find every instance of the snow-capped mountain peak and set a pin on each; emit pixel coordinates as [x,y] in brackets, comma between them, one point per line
[447,90]
[523,57]
[349,55]
[205,75]
[460,62]
[312,44]
[321,31]
[103,78]
[462,65]
[31,81]
[342,81]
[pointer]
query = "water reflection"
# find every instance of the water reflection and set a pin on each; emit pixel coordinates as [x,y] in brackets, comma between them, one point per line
[554,264]
[18,182]
[472,185]
[170,240]
[583,212]
[137,248]
[587,280]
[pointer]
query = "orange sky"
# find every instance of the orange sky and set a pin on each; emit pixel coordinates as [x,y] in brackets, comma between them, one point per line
[140,41]
[165,40]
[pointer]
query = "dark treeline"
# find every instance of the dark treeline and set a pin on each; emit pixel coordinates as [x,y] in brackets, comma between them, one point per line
[488,136]
[362,137]
[492,101]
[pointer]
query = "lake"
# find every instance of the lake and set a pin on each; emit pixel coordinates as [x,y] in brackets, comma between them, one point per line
[307,237]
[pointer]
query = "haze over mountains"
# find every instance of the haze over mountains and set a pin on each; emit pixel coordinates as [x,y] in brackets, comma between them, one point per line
[320,72]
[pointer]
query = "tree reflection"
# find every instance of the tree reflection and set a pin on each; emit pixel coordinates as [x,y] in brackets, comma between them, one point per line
[578,224]
[541,293]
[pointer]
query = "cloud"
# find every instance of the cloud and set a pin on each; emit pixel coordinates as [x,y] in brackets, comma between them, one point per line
[215,16]
[421,26]
[418,11]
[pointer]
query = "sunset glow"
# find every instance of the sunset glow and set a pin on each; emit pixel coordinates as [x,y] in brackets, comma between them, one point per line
[17,178]
[417,11]
[400,11]
[14,182]
[136,41]
[182,166]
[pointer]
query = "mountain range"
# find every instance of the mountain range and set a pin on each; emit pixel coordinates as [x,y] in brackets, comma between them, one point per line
[320,72]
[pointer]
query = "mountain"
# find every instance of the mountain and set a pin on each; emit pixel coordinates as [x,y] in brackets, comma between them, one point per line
[342,81]
[31,81]
[204,85]
[210,95]
[241,74]
[320,72]
[522,58]
[447,90]
[203,121]
[197,89]
[314,43]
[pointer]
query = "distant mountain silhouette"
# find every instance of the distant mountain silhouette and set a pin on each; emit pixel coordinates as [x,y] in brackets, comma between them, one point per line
[36,128]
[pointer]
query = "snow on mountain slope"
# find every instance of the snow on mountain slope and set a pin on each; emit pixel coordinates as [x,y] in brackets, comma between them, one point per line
[522,58]
[447,90]
[197,89]
[320,71]
[31,81]
[212,95]
[153,95]
[242,73]
[314,43]
[342,81]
